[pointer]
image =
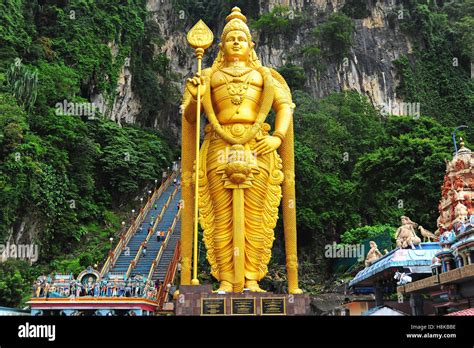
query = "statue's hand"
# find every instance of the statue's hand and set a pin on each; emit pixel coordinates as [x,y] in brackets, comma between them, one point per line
[192,85]
[267,144]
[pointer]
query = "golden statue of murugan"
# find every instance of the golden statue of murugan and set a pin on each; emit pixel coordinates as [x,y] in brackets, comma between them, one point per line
[241,174]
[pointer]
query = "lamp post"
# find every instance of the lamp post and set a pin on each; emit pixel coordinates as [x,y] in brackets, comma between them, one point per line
[163,177]
[111,239]
[156,182]
[149,194]
[454,137]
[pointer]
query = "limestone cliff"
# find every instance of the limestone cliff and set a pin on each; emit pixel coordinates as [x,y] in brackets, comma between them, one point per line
[368,68]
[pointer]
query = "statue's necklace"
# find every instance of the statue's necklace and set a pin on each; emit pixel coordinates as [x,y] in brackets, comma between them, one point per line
[236,72]
[237,87]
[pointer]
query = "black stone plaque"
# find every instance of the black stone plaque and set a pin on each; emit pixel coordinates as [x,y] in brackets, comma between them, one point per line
[212,306]
[273,306]
[243,306]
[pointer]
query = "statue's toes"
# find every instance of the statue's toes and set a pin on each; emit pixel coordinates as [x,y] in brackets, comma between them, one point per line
[296,291]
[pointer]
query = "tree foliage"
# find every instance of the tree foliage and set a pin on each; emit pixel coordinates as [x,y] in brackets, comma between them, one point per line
[69,177]
[23,83]
[335,35]
[438,73]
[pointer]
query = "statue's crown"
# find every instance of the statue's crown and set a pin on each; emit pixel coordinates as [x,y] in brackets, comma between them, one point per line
[236,21]
[236,13]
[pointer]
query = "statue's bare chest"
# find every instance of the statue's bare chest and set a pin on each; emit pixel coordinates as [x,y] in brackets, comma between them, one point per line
[236,85]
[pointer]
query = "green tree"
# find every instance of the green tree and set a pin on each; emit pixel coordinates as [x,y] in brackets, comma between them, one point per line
[23,83]
[404,175]
[335,35]
[358,234]
[331,135]
[16,282]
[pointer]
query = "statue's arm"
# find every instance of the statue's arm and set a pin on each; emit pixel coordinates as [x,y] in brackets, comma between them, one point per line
[189,106]
[189,97]
[283,107]
[398,232]
[283,119]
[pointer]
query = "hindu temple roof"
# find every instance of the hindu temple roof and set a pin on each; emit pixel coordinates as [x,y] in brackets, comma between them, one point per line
[465,312]
[421,256]
[384,310]
[463,150]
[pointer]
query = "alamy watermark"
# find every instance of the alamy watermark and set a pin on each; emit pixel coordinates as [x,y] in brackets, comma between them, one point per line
[37,331]
[19,251]
[230,155]
[401,109]
[85,109]
[344,251]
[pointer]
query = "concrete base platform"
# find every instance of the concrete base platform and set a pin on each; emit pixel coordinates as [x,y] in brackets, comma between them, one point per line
[199,300]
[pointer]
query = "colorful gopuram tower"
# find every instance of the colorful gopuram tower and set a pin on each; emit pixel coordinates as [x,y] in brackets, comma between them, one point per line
[457,192]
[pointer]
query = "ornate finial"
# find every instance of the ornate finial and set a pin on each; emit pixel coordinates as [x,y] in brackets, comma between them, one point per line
[200,36]
[461,142]
[236,13]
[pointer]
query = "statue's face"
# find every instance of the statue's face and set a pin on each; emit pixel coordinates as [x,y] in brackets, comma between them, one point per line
[236,46]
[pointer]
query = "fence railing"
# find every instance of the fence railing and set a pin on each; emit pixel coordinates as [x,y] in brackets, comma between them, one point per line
[170,274]
[163,246]
[125,238]
[135,260]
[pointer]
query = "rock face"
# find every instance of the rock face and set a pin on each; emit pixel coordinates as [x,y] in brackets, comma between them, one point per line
[23,232]
[377,42]
[126,106]
[368,69]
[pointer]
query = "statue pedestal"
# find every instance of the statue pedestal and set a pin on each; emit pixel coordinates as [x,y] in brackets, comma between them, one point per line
[199,300]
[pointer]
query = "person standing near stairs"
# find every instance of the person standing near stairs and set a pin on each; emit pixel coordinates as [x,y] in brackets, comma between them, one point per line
[144,247]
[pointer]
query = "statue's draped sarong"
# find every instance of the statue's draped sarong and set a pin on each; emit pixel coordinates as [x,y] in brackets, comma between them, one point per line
[261,197]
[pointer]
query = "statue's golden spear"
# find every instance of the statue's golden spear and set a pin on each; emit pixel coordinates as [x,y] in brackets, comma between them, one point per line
[200,37]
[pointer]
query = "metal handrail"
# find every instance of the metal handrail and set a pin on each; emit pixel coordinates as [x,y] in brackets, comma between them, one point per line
[125,238]
[156,261]
[135,260]
[165,243]
[170,274]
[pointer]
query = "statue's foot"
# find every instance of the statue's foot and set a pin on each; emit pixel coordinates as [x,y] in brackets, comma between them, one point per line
[225,286]
[253,286]
[295,291]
